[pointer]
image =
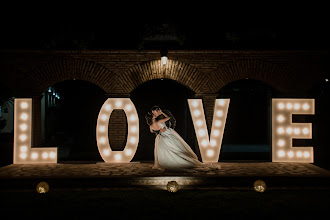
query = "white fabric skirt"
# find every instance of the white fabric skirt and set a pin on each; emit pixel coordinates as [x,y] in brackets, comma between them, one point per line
[173,153]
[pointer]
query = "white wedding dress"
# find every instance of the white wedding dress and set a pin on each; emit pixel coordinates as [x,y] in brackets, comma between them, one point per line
[173,153]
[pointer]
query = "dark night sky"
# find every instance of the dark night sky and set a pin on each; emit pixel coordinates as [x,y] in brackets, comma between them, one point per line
[94,25]
[297,31]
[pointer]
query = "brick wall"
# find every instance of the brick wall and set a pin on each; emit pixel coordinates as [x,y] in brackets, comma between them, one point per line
[117,129]
[118,73]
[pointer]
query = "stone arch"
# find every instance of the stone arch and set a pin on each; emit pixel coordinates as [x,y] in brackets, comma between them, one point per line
[274,75]
[182,73]
[70,69]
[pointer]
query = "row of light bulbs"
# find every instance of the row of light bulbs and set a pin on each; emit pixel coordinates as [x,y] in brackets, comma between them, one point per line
[293,130]
[291,154]
[210,147]
[292,105]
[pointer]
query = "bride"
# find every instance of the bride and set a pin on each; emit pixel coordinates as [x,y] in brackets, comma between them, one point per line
[171,151]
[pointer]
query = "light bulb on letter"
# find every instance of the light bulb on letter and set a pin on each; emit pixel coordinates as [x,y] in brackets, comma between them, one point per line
[128,152]
[217,123]
[210,153]
[197,112]
[104,117]
[305,106]
[289,106]
[23,137]
[45,155]
[194,103]
[220,113]
[118,157]
[280,118]
[305,130]
[24,148]
[106,152]
[23,127]
[201,132]
[24,105]
[132,118]
[52,155]
[133,140]
[34,155]
[24,116]
[281,106]
[119,104]
[281,143]
[108,107]
[281,153]
[221,102]
[128,107]
[133,129]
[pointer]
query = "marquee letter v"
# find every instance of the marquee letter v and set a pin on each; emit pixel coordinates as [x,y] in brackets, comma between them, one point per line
[209,148]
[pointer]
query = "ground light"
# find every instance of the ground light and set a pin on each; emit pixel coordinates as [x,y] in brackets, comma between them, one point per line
[42,187]
[259,186]
[172,186]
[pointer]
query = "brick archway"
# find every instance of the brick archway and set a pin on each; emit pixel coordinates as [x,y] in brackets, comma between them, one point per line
[274,75]
[70,69]
[180,72]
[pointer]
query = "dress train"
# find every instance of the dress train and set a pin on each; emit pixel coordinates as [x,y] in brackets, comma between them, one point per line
[173,153]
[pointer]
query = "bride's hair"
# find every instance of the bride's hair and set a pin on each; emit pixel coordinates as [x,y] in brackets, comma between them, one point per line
[155,108]
[149,118]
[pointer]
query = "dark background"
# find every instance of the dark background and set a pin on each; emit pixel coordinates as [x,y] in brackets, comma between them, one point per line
[275,30]
[248,116]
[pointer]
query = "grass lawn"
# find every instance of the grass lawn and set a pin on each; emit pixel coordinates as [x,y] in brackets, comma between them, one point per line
[154,204]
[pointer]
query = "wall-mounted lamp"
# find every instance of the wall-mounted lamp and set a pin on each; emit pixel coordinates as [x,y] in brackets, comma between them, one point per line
[164,60]
[163,54]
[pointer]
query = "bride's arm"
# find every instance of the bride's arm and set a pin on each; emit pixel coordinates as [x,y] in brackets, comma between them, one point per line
[164,119]
[166,116]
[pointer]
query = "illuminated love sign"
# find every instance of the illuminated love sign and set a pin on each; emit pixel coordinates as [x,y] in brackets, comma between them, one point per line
[210,148]
[282,133]
[284,130]
[103,144]
[23,153]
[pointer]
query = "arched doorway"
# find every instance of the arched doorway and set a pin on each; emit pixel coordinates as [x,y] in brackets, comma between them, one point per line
[69,116]
[247,135]
[6,124]
[168,95]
